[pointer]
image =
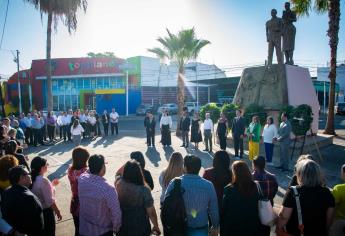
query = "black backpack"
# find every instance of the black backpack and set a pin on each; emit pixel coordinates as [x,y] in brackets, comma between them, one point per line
[173,212]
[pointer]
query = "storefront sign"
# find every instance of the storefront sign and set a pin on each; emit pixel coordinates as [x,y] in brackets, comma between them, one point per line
[76,66]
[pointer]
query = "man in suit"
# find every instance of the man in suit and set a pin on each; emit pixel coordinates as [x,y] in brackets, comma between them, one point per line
[150,125]
[237,129]
[284,142]
[184,127]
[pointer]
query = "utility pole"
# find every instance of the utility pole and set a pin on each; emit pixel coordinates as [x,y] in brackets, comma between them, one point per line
[19,91]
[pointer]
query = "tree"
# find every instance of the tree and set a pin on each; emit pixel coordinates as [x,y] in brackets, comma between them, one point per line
[66,11]
[180,48]
[302,7]
[100,54]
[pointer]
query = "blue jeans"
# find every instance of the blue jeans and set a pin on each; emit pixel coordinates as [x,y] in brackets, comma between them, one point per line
[269,151]
[197,232]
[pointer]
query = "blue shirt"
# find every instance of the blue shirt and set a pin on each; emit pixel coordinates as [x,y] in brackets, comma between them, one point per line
[200,200]
[37,124]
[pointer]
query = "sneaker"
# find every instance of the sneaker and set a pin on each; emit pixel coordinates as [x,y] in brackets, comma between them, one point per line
[205,150]
[182,145]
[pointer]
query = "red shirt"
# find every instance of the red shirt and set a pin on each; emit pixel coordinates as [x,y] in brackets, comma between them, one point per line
[73,180]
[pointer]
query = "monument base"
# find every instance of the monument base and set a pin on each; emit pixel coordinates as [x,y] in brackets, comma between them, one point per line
[275,86]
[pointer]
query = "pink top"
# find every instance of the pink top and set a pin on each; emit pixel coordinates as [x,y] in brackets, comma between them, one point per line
[73,180]
[44,190]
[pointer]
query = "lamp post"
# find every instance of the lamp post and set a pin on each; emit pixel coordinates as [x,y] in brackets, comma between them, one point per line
[127,66]
[19,91]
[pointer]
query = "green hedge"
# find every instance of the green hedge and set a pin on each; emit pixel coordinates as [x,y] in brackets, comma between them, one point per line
[230,112]
[252,110]
[212,109]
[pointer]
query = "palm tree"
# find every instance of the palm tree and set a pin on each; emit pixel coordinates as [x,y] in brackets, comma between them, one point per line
[66,11]
[302,7]
[180,48]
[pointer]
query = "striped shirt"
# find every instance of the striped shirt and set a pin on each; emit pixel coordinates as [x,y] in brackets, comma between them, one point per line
[99,206]
[200,200]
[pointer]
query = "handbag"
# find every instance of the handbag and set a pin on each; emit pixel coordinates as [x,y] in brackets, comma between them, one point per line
[266,214]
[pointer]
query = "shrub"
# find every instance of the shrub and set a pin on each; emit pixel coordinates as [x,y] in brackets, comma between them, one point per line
[288,109]
[212,109]
[254,109]
[301,119]
[230,112]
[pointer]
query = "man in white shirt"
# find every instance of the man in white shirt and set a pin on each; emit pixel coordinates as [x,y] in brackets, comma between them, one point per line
[65,120]
[29,137]
[59,123]
[208,130]
[114,119]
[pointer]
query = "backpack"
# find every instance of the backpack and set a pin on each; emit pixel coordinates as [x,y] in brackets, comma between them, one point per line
[173,211]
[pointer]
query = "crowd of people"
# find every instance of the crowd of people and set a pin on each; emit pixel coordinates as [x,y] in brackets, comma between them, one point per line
[221,201]
[37,128]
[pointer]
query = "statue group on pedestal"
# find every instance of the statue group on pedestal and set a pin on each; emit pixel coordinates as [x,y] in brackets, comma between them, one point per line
[281,29]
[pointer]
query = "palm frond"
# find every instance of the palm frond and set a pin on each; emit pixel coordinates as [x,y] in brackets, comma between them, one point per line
[302,7]
[160,53]
[321,6]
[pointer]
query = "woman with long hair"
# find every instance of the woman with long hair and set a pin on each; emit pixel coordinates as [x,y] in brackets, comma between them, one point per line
[222,131]
[45,191]
[174,169]
[239,213]
[80,156]
[220,174]
[136,202]
[196,136]
[76,131]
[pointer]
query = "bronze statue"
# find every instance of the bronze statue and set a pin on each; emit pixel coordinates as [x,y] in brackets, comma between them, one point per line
[274,28]
[289,33]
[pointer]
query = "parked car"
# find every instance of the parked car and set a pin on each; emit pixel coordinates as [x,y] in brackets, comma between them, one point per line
[171,107]
[192,107]
[143,109]
[340,108]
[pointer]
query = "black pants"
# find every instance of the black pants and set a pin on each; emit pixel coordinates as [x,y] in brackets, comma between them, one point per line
[83,124]
[38,136]
[150,138]
[112,126]
[98,128]
[76,225]
[106,128]
[238,145]
[65,131]
[29,136]
[61,131]
[51,132]
[49,222]
[44,133]
[69,132]
[222,141]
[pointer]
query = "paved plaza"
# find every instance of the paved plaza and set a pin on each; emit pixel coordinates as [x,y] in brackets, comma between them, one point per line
[132,137]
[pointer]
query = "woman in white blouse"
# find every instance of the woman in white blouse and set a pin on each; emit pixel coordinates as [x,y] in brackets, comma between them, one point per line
[165,126]
[269,133]
[76,130]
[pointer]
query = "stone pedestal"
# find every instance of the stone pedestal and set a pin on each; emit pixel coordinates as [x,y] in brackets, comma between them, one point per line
[275,86]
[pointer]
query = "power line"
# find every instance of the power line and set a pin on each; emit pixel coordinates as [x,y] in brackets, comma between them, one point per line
[3,29]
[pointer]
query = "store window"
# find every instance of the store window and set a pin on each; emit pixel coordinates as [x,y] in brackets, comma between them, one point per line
[55,103]
[55,87]
[93,83]
[87,84]
[60,85]
[61,103]
[100,83]
[68,102]
[74,102]
[80,84]
[106,83]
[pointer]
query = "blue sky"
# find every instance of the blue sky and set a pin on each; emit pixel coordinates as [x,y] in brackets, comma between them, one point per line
[235,28]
